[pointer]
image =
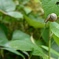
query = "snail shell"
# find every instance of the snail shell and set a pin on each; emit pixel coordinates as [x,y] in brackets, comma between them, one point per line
[51,17]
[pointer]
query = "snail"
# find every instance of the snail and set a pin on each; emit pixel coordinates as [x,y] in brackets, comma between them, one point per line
[51,17]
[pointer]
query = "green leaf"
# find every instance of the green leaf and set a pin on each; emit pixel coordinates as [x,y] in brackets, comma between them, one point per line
[7,5]
[22,41]
[37,51]
[15,14]
[35,22]
[56,39]
[19,35]
[45,34]
[55,30]
[3,38]
[50,6]
[3,41]
[23,45]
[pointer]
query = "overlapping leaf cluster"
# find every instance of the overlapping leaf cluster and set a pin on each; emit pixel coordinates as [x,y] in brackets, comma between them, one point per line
[22,27]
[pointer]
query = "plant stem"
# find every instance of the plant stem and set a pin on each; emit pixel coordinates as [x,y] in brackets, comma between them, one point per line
[49,54]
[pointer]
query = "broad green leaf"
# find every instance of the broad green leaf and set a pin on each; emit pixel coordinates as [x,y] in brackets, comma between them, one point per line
[45,34]
[7,5]
[15,14]
[19,35]
[3,38]
[3,41]
[56,39]
[35,22]
[37,51]
[55,30]
[22,41]
[23,45]
[24,37]
[50,6]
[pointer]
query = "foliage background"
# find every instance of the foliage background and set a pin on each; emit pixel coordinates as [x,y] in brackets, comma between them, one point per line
[23,32]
